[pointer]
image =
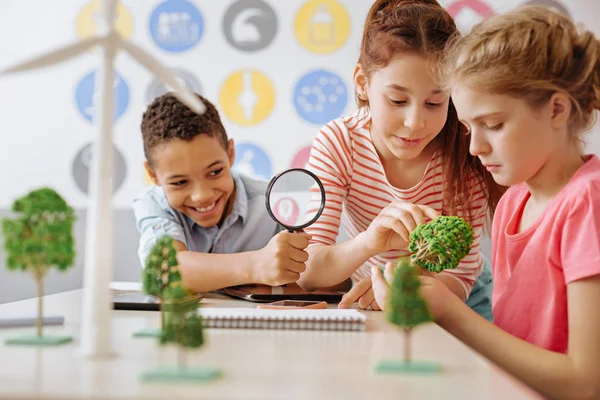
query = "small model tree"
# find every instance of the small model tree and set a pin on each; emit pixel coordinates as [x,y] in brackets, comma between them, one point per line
[407,309]
[181,324]
[38,238]
[438,245]
[441,243]
[160,270]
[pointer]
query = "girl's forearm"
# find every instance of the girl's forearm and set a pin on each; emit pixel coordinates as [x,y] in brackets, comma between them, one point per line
[329,265]
[553,374]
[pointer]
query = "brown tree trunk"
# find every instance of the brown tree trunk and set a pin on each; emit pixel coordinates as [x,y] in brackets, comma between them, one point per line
[407,345]
[40,293]
[162,315]
[181,357]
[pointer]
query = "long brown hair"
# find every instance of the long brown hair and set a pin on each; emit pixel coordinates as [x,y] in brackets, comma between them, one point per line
[425,27]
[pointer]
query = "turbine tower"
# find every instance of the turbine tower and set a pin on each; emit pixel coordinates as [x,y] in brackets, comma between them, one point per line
[99,254]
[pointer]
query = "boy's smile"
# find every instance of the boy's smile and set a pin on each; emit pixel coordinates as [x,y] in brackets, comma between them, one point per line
[196,177]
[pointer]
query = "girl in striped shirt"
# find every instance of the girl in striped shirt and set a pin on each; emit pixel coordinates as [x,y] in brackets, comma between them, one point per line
[399,161]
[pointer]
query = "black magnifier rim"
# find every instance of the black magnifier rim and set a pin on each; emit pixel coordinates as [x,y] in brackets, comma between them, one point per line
[268,199]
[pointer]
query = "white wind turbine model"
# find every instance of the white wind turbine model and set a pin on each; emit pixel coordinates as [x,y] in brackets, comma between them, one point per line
[99,260]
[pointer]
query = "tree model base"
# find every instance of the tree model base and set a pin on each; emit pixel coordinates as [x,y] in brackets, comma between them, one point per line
[45,340]
[402,367]
[177,374]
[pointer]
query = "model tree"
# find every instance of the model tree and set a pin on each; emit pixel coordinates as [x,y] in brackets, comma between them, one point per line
[37,239]
[406,308]
[160,270]
[441,243]
[438,245]
[182,327]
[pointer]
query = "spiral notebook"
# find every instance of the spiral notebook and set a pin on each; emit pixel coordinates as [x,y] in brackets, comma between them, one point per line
[254,318]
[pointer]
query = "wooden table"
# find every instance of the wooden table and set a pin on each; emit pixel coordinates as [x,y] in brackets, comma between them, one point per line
[257,364]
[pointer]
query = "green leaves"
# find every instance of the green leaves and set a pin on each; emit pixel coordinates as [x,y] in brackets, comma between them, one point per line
[161,278]
[161,267]
[441,244]
[183,328]
[40,235]
[183,325]
[406,307]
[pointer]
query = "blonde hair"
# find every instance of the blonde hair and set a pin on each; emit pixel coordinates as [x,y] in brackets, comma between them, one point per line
[531,53]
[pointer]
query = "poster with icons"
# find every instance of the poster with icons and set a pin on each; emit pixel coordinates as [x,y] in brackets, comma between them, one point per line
[277,70]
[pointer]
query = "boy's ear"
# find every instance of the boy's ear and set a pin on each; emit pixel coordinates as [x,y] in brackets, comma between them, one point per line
[560,109]
[151,173]
[360,82]
[231,152]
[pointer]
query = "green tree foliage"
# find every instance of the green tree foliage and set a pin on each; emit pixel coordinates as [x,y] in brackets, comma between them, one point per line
[39,237]
[406,308]
[160,271]
[441,243]
[181,324]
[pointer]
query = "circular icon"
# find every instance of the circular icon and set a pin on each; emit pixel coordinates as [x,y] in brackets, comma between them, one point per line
[91,16]
[551,4]
[320,96]
[467,13]
[287,211]
[247,97]
[251,160]
[176,25]
[322,26]
[81,168]
[86,96]
[301,158]
[250,25]
[186,79]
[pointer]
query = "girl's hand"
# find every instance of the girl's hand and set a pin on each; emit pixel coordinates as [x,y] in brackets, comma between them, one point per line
[363,293]
[436,293]
[381,287]
[391,229]
[439,298]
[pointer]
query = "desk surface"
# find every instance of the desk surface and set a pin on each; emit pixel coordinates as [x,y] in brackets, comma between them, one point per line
[258,364]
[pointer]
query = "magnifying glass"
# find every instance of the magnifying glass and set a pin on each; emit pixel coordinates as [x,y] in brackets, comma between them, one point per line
[295,199]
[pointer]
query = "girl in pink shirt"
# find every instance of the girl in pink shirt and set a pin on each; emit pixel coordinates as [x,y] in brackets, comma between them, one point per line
[402,158]
[526,85]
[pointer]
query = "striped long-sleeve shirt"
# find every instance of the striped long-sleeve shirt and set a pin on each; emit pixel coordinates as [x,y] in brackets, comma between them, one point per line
[357,190]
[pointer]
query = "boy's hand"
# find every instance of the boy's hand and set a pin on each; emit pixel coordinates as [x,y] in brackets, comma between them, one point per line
[282,260]
[391,229]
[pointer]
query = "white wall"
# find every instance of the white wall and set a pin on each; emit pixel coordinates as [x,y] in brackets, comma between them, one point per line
[44,132]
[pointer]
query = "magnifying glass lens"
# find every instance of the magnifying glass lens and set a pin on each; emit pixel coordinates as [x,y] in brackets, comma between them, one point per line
[295,198]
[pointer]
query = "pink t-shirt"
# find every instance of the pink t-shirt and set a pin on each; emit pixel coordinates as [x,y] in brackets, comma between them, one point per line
[532,268]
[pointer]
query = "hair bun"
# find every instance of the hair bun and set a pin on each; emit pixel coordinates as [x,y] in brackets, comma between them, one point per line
[589,47]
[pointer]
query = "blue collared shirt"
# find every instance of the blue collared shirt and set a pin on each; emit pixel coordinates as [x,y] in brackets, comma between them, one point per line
[248,227]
